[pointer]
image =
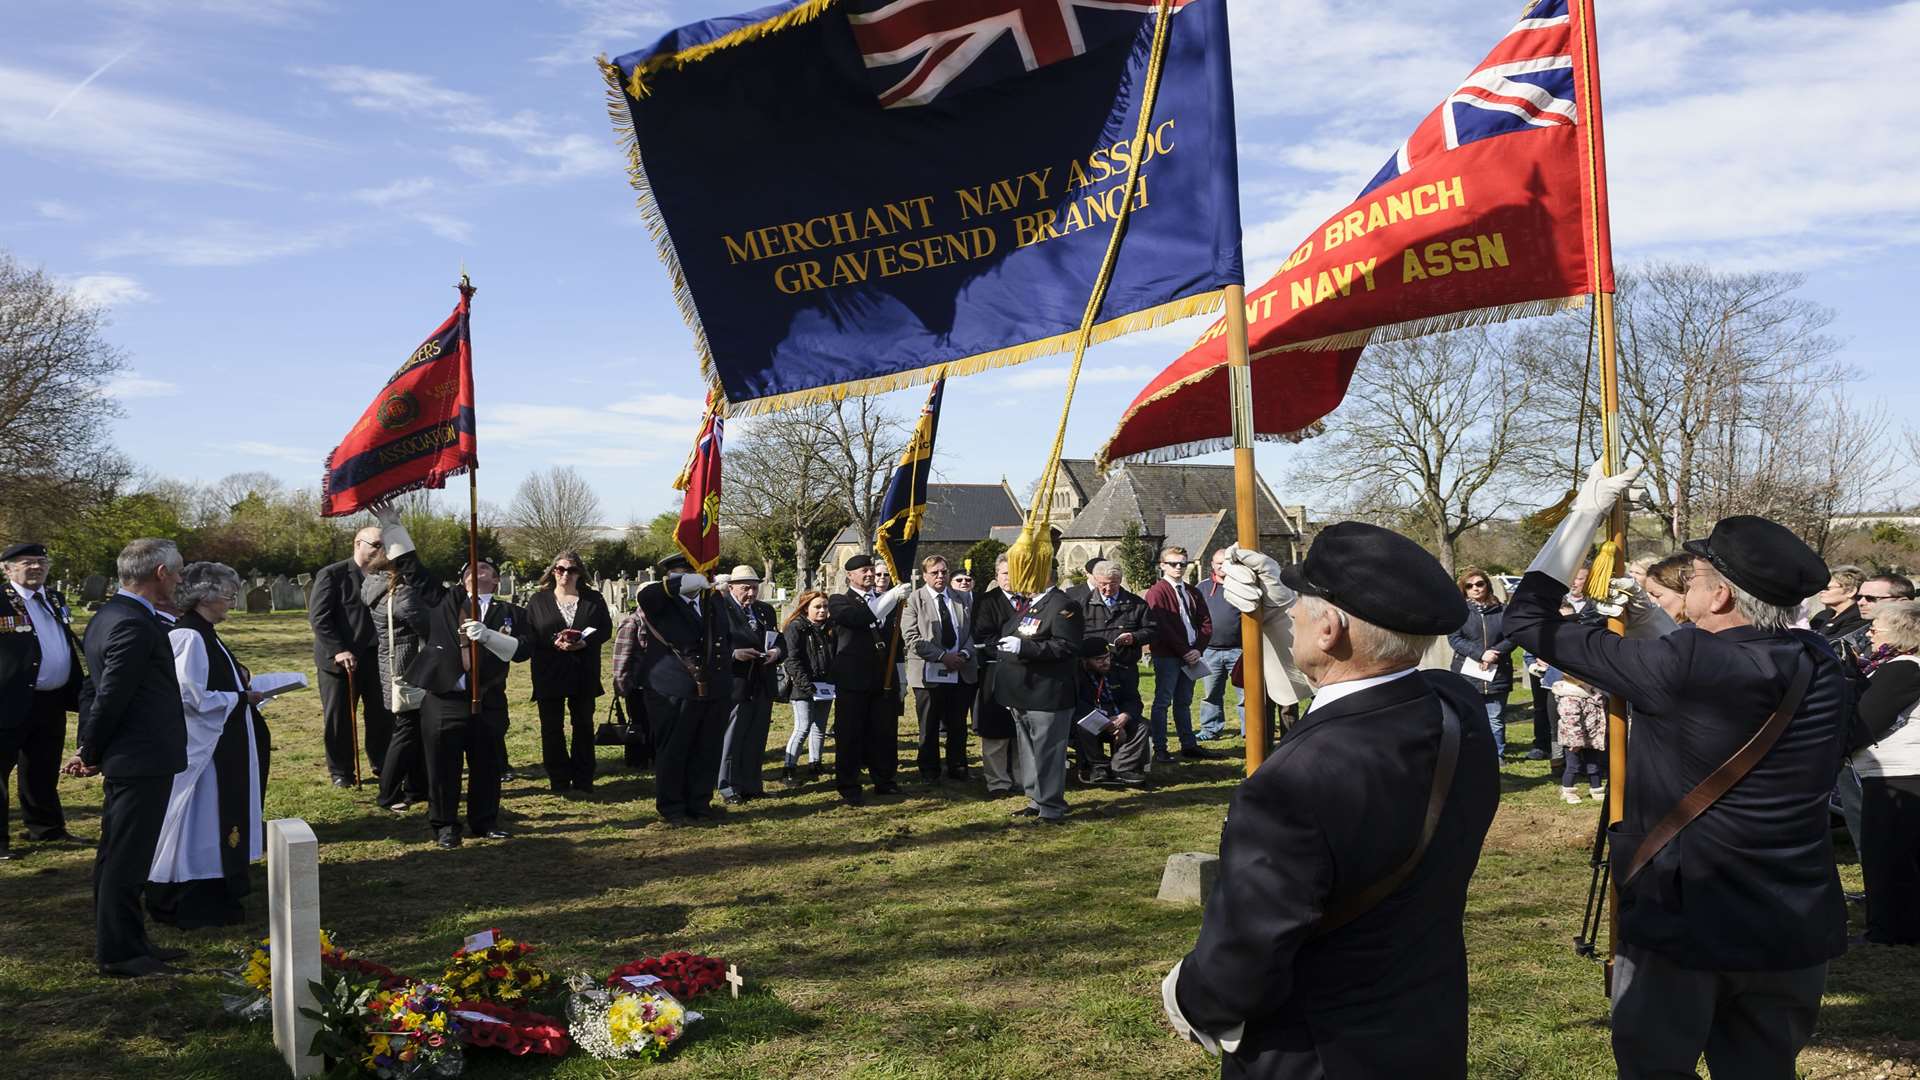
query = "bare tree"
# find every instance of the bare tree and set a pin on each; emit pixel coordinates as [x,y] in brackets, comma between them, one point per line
[781,487]
[55,413]
[1434,434]
[551,512]
[1720,375]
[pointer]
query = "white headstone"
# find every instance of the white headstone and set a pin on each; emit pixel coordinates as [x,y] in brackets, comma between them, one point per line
[1189,877]
[293,913]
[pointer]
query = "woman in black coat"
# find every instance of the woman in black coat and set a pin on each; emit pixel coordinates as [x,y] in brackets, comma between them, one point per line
[571,624]
[808,660]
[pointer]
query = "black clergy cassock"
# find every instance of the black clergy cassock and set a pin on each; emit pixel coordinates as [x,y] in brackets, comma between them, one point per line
[1335,810]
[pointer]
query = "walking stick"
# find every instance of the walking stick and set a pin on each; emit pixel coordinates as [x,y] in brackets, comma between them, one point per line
[1585,943]
[353,723]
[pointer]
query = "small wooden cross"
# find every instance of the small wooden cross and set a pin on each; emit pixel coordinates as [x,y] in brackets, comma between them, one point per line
[734,980]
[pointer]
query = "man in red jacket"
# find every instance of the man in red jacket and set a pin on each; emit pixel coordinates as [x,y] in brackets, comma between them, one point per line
[1181,629]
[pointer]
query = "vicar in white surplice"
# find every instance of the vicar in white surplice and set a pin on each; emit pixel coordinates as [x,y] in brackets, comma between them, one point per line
[213,825]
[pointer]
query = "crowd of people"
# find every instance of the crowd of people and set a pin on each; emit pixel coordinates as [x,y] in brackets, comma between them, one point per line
[1338,910]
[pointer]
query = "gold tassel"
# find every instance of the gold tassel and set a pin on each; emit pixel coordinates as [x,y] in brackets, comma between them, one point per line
[1548,517]
[1600,574]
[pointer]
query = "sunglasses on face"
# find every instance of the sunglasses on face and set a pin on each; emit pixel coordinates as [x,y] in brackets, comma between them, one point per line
[1867,598]
[1477,585]
[566,569]
[1175,565]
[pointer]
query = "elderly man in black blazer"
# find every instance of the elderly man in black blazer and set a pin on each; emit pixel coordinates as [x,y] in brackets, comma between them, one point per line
[40,676]
[346,656]
[134,730]
[1039,651]
[1333,943]
[687,670]
[864,732]
[1728,924]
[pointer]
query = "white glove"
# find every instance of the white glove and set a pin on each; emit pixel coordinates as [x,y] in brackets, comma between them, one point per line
[495,642]
[690,584]
[1644,618]
[1252,584]
[393,535]
[890,599]
[1567,547]
[1010,645]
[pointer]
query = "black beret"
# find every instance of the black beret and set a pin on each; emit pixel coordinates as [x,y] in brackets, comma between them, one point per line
[22,551]
[1762,557]
[1382,577]
[858,562]
[674,564]
[1093,647]
[1091,563]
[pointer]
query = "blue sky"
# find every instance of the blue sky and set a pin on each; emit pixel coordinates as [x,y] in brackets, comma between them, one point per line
[274,196]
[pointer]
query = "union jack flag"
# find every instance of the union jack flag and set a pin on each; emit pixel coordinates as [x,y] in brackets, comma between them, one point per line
[1525,82]
[916,50]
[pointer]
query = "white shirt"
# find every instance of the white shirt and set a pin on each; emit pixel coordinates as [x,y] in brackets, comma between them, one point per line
[1327,695]
[56,660]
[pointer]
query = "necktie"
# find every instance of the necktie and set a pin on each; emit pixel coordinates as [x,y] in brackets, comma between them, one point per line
[47,604]
[1020,604]
[947,638]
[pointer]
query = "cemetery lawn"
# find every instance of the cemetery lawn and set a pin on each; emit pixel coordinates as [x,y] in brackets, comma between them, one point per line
[922,936]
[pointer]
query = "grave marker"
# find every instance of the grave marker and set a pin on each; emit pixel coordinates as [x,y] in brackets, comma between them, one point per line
[259,601]
[293,919]
[94,589]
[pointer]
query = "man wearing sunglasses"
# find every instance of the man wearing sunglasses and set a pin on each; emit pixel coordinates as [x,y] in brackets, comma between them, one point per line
[1181,628]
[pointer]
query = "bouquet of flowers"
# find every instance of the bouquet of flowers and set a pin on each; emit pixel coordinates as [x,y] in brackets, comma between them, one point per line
[412,1032]
[493,967]
[620,1023]
[255,977]
[517,1032]
[684,975]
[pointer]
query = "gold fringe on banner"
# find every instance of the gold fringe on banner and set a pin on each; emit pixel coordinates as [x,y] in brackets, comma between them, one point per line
[652,65]
[1192,448]
[1434,324]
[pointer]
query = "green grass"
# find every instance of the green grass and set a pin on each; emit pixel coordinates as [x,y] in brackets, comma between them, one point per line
[924,936]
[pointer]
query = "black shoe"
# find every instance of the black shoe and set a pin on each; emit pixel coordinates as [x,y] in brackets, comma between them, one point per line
[6,855]
[139,967]
[1536,755]
[1053,821]
[166,956]
[58,836]
[397,808]
[731,800]
[1197,753]
[673,821]
[509,775]
[343,781]
[786,774]
[853,798]
[888,788]
[961,775]
[497,834]
[1161,757]
[1025,811]
[584,789]
[1855,897]
[447,841]
[1129,778]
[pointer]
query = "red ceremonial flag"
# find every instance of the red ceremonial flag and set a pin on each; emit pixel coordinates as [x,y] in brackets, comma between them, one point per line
[1494,208]
[419,429]
[698,533]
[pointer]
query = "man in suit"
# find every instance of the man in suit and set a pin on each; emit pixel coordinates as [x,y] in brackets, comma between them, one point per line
[754,663]
[864,728]
[1181,629]
[40,678]
[936,630]
[346,656]
[991,720]
[1726,930]
[1332,944]
[450,731]
[1119,618]
[1116,754]
[134,730]
[1039,650]
[687,669]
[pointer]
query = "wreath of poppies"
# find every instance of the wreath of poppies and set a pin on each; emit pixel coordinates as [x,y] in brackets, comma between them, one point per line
[517,1031]
[683,974]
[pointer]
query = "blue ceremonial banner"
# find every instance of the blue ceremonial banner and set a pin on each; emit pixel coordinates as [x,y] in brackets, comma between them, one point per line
[905,503]
[852,196]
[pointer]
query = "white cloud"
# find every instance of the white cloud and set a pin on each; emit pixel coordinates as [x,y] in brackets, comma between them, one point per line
[1053,372]
[445,226]
[404,190]
[607,26]
[656,428]
[55,210]
[106,290]
[134,385]
[388,91]
[297,455]
[138,133]
[222,243]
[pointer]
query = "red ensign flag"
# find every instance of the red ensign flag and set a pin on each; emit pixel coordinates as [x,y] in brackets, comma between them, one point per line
[698,533]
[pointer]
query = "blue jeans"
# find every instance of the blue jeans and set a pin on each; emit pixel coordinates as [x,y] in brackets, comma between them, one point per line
[1171,686]
[1213,712]
[1497,721]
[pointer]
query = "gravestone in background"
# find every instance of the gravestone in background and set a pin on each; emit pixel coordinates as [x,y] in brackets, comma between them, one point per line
[287,596]
[94,589]
[259,601]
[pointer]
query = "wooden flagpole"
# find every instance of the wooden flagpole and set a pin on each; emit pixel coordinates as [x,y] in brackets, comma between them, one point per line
[473,538]
[1253,708]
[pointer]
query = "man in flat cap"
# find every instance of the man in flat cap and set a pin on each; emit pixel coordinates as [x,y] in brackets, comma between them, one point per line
[864,730]
[1730,905]
[39,685]
[1332,944]
[753,621]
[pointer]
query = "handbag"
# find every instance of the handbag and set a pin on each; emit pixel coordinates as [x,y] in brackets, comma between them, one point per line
[615,731]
